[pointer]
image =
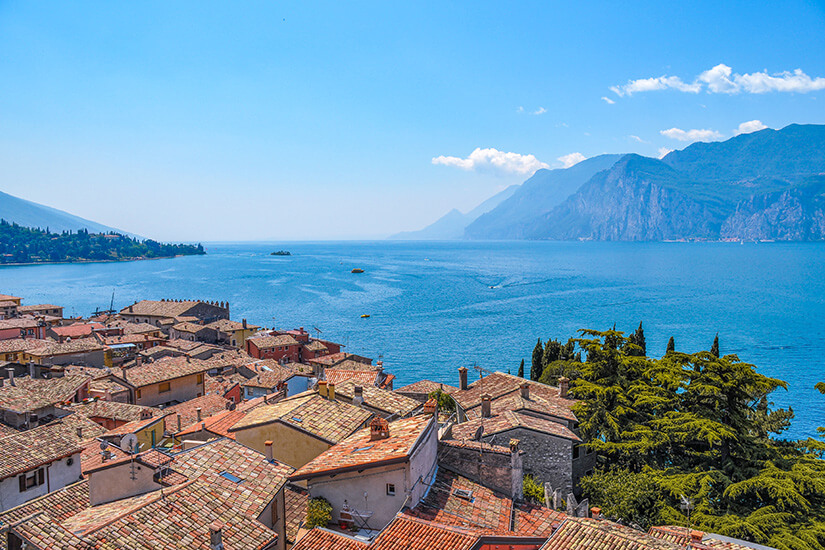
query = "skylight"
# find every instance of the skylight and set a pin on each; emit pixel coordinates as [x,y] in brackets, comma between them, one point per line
[230,477]
[296,419]
[359,449]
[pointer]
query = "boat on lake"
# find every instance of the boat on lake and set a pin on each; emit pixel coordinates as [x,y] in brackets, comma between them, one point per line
[357,270]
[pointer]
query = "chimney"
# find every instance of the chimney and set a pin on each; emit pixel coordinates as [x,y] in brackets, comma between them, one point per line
[130,309]
[268,450]
[431,406]
[216,536]
[379,429]
[80,432]
[31,370]
[696,536]
[178,419]
[322,388]
[198,413]
[486,409]
[380,365]
[516,471]
[11,376]
[525,390]
[331,392]
[244,324]
[564,386]
[138,360]
[595,512]
[358,396]
[462,378]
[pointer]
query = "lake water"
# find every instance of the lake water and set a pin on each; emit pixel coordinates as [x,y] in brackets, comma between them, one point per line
[437,306]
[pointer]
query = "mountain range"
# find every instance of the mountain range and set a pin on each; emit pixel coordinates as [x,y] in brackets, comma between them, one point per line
[766,185]
[31,214]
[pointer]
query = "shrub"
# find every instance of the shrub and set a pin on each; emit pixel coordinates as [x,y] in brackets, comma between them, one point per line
[533,490]
[319,512]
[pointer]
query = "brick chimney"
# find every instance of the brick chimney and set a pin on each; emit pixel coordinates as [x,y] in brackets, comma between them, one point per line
[596,512]
[268,450]
[358,396]
[243,322]
[525,390]
[322,388]
[431,406]
[216,536]
[516,471]
[462,378]
[486,406]
[138,360]
[564,386]
[331,391]
[696,536]
[379,429]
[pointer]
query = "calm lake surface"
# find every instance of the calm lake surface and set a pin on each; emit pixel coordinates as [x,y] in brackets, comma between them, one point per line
[437,306]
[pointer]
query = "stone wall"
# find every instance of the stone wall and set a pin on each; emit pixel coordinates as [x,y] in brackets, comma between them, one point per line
[494,467]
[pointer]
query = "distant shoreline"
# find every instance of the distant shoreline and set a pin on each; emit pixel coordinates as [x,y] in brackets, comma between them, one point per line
[138,259]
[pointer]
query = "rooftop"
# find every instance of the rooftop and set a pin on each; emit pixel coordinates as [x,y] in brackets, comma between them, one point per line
[383,400]
[24,451]
[358,451]
[426,386]
[510,420]
[266,342]
[163,369]
[361,377]
[218,424]
[76,330]
[162,308]
[591,533]
[209,404]
[331,421]
[29,394]
[123,412]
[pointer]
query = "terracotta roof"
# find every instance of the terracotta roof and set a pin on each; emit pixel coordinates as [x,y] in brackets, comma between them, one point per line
[295,502]
[154,308]
[60,504]
[361,377]
[14,345]
[476,445]
[266,342]
[226,325]
[500,385]
[41,531]
[134,328]
[122,412]
[107,385]
[24,451]
[29,394]
[218,424]
[335,358]
[76,330]
[5,297]
[223,382]
[132,339]
[324,539]
[91,457]
[671,533]
[259,481]
[166,368]
[270,378]
[359,452]
[189,327]
[74,421]
[181,344]
[406,533]
[591,533]
[133,427]
[315,345]
[331,421]
[80,345]
[19,322]
[383,400]
[426,386]
[510,420]
[209,404]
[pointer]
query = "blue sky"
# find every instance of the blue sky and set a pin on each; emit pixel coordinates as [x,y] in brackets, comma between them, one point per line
[299,120]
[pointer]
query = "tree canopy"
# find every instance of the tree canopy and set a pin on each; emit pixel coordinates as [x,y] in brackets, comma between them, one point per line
[696,425]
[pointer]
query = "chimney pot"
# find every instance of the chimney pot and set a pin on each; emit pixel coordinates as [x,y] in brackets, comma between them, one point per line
[462,377]
[80,432]
[331,392]
[358,396]
[696,536]
[268,450]
[198,412]
[564,386]
[431,406]
[244,323]
[379,429]
[486,406]
[595,512]
[11,376]
[178,419]
[514,445]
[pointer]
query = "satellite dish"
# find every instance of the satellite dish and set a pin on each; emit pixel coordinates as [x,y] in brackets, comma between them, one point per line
[129,443]
[103,445]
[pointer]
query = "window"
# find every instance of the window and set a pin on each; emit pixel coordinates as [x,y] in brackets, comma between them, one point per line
[30,480]
[164,387]
[200,378]
[391,489]
[137,394]
[575,452]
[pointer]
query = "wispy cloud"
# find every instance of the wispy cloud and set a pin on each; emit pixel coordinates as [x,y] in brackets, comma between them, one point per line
[637,139]
[722,80]
[540,111]
[495,160]
[608,100]
[691,135]
[663,152]
[571,159]
[749,127]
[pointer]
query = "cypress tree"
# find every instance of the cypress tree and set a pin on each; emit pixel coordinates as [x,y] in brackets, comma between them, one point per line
[640,339]
[521,369]
[714,349]
[671,346]
[536,366]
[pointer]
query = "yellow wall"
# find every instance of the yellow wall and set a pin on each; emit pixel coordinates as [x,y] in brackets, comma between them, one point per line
[241,335]
[145,435]
[290,446]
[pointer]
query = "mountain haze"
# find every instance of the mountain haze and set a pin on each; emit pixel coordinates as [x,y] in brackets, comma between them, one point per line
[31,214]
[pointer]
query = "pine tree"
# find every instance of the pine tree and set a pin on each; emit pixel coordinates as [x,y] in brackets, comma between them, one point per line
[671,346]
[521,369]
[714,349]
[638,339]
[536,366]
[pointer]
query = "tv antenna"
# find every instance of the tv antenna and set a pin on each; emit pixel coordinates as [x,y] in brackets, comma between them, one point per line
[687,506]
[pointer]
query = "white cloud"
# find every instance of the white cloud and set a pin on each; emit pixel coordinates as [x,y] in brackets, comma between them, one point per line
[636,139]
[749,127]
[722,80]
[493,159]
[571,159]
[520,109]
[691,135]
[663,152]
[539,111]
[608,100]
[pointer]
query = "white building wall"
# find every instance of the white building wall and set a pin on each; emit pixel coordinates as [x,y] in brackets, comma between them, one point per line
[58,474]
[422,464]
